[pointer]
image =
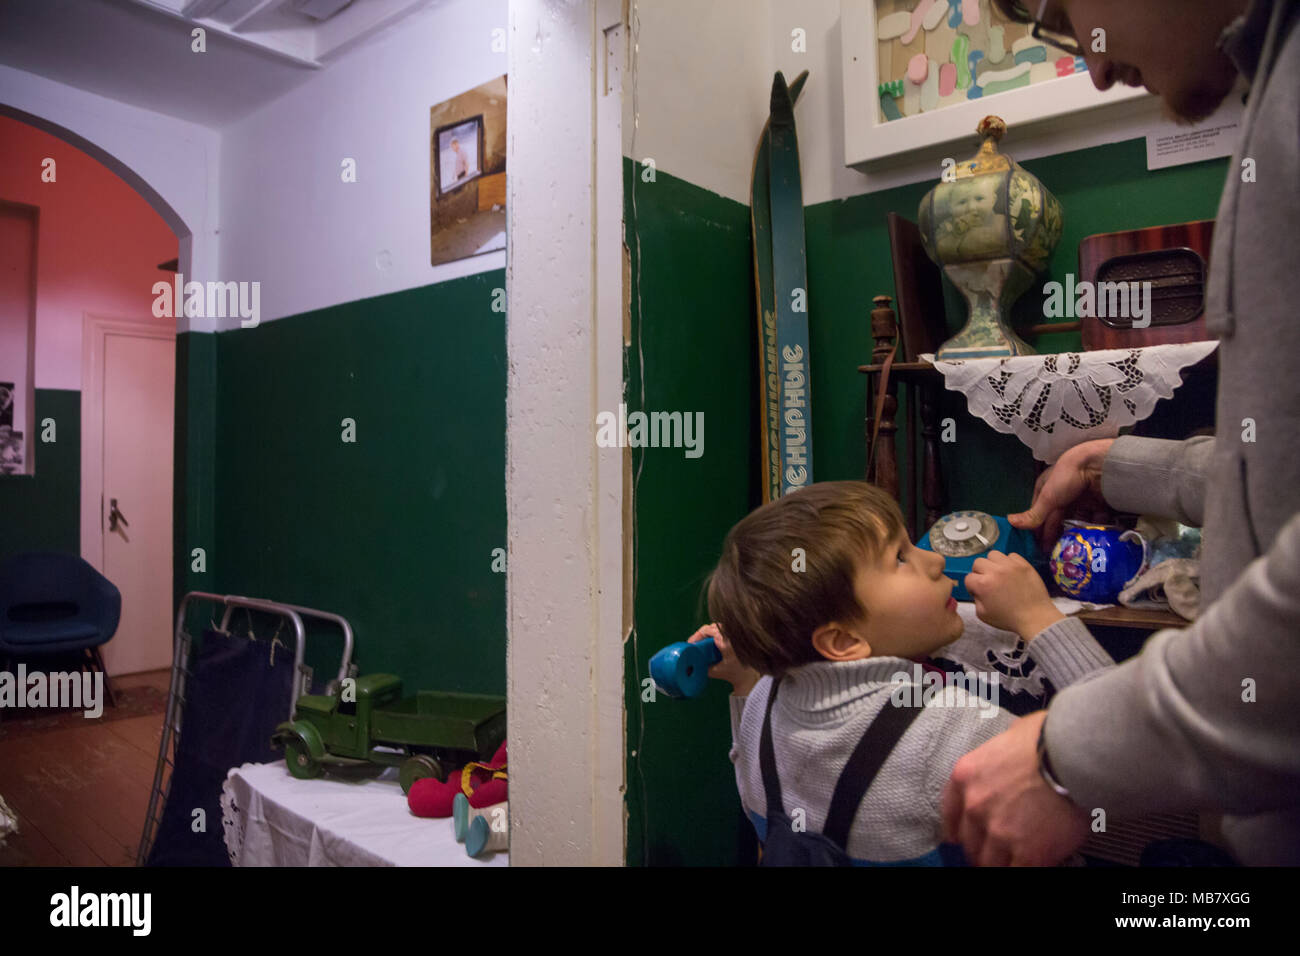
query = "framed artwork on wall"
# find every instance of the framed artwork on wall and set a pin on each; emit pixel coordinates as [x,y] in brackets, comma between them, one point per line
[920,73]
[467,174]
[19,229]
[457,154]
[11,442]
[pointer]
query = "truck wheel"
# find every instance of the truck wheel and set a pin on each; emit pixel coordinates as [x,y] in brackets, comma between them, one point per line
[303,748]
[300,762]
[417,768]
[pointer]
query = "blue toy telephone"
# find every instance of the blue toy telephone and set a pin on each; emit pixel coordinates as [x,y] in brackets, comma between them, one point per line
[682,669]
[963,536]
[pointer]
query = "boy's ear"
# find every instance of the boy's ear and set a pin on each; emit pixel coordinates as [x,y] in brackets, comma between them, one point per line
[835,642]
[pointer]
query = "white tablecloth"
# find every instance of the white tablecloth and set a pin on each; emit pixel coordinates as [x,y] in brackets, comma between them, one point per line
[273,819]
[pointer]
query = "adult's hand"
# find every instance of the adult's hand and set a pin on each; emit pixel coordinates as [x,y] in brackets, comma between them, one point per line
[1000,809]
[1074,479]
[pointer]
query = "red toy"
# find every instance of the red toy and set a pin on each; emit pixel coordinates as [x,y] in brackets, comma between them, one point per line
[483,783]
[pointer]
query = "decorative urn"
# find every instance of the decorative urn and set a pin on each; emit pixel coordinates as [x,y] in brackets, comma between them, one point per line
[991,226]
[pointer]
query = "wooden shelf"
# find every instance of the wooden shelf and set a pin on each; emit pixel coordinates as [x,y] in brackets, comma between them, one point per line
[1147,619]
[897,367]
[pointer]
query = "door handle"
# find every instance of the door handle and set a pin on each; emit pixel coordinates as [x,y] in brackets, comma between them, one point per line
[114,516]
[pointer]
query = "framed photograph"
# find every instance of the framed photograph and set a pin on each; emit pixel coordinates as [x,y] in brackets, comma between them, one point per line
[467,174]
[11,452]
[457,150]
[11,442]
[920,73]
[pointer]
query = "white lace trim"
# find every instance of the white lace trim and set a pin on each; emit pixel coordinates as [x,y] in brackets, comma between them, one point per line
[1054,402]
[232,822]
[8,821]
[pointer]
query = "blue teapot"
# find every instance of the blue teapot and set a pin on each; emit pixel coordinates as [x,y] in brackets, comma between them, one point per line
[1094,562]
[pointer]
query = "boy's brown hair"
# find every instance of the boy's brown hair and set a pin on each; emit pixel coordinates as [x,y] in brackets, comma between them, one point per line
[766,609]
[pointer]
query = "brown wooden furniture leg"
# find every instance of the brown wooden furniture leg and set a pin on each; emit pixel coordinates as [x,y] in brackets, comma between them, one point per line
[910,391]
[869,419]
[884,333]
[933,492]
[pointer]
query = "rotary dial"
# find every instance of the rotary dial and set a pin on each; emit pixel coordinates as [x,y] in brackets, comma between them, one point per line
[964,533]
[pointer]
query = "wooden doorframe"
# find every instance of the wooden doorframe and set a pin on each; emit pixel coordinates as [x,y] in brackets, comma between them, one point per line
[95,329]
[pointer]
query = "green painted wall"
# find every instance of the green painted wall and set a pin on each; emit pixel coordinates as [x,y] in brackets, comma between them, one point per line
[194,495]
[693,314]
[1104,189]
[693,322]
[395,531]
[42,512]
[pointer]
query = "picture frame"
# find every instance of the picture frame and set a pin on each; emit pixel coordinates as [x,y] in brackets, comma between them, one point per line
[450,140]
[12,446]
[869,142]
[467,173]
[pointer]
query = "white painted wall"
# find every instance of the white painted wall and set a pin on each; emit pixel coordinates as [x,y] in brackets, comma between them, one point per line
[697,88]
[288,220]
[563,493]
[176,159]
[820,114]
[703,76]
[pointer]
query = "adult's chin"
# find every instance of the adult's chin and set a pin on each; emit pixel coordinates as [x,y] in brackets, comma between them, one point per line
[1189,107]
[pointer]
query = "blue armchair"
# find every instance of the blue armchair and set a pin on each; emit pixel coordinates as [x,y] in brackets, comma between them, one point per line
[53,604]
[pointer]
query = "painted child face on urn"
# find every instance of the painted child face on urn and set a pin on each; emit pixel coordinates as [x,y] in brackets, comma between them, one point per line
[970,224]
[1168,46]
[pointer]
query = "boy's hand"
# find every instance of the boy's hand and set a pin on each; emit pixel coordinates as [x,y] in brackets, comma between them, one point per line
[1009,594]
[741,678]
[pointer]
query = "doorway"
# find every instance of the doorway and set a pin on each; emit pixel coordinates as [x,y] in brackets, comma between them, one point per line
[128,400]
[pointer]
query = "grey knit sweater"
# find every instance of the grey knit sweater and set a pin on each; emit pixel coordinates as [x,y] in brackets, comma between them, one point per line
[822,711]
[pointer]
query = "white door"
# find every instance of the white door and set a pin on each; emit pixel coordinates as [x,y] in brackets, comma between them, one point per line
[139,374]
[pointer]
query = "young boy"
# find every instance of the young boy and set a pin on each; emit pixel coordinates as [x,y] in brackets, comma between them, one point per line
[822,591]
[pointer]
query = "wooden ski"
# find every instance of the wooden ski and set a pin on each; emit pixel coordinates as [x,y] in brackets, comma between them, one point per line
[780,280]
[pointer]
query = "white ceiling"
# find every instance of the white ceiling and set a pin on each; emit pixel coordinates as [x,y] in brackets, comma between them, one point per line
[138,51]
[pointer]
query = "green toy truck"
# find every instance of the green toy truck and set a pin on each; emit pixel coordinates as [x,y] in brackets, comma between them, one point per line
[425,735]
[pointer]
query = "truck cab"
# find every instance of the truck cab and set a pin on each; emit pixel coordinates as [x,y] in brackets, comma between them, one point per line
[344,724]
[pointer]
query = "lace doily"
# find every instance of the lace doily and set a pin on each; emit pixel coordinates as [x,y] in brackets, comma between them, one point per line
[1054,402]
[232,821]
[982,648]
[8,821]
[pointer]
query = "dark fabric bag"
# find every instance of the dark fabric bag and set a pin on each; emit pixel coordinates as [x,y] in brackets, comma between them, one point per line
[786,847]
[237,694]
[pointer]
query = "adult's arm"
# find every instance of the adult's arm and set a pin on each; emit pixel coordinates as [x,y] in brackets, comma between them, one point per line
[1203,718]
[1152,476]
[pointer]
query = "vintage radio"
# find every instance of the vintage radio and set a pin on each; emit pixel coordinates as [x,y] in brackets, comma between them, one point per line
[1175,260]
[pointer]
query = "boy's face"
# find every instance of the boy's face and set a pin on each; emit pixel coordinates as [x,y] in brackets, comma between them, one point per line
[910,608]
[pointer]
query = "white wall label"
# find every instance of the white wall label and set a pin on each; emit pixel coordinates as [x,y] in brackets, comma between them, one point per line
[1169,144]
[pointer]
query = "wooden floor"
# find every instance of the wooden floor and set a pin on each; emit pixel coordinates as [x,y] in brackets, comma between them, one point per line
[81,795]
